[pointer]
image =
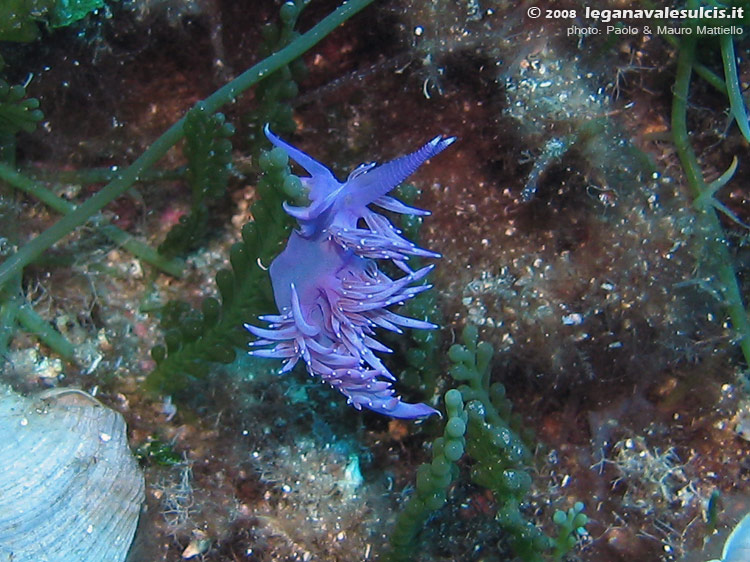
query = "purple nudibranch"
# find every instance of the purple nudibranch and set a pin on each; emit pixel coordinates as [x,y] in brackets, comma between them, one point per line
[328,288]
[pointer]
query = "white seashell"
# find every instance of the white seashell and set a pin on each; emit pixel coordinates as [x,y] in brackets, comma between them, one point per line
[737,547]
[70,489]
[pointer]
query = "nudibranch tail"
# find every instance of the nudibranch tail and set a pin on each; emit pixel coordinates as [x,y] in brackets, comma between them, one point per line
[330,292]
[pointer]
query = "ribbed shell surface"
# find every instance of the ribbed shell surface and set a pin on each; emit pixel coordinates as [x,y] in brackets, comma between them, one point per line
[70,489]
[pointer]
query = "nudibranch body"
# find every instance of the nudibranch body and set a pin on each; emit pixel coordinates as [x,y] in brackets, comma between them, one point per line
[328,288]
